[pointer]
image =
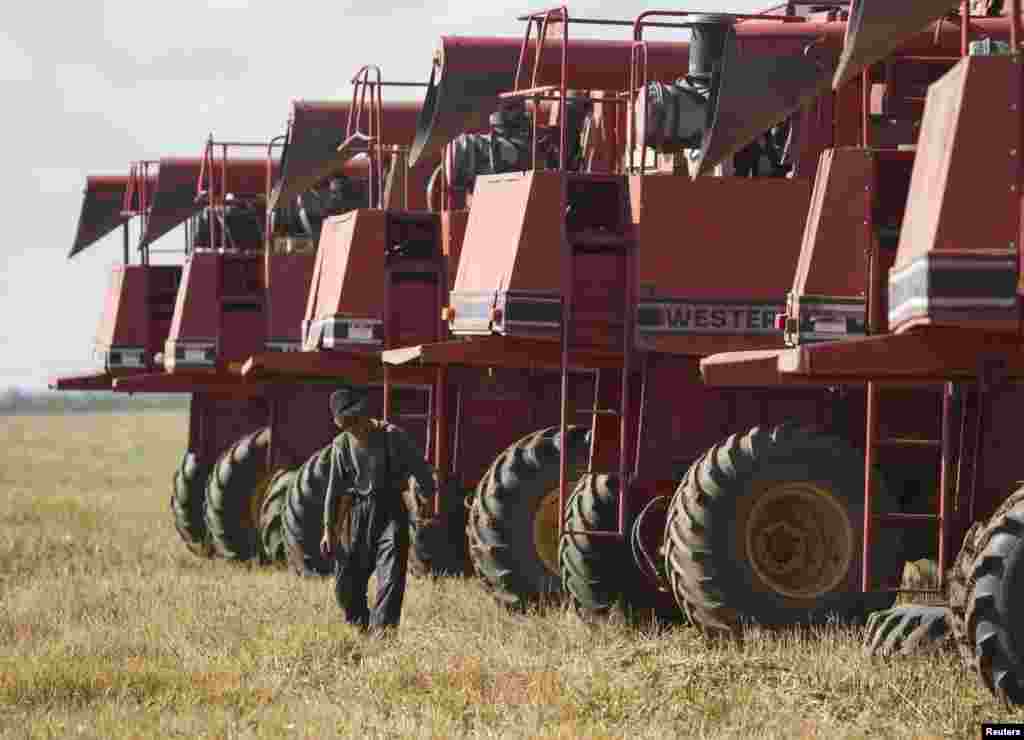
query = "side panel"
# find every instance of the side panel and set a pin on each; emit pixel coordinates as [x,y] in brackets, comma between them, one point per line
[956,264]
[197,309]
[720,237]
[1001,469]
[243,327]
[125,315]
[453,233]
[352,266]
[223,421]
[162,286]
[302,422]
[495,410]
[108,320]
[493,233]
[290,276]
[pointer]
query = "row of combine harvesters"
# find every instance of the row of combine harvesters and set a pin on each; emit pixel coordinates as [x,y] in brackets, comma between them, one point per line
[742,313]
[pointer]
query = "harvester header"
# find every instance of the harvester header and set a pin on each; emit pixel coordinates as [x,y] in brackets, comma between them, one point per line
[103,209]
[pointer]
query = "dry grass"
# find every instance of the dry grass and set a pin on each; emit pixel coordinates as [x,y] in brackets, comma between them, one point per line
[109,628]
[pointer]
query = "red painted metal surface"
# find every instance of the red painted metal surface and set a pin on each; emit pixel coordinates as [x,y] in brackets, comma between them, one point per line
[301,421]
[137,311]
[290,277]
[216,421]
[961,138]
[101,212]
[222,383]
[338,365]
[95,381]
[196,310]
[493,351]
[836,238]
[348,279]
[932,354]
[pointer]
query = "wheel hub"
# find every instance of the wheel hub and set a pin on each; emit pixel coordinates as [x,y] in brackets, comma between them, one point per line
[799,540]
[545,531]
[259,495]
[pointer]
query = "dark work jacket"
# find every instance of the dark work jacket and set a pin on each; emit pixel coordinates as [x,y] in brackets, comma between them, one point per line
[381,468]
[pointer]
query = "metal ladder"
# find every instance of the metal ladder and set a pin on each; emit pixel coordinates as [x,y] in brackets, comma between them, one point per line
[954,409]
[588,328]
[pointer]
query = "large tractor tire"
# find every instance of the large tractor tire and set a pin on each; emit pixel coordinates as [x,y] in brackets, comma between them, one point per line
[188,504]
[304,516]
[272,539]
[987,598]
[234,494]
[908,629]
[766,528]
[595,570]
[514,520]
[439,545]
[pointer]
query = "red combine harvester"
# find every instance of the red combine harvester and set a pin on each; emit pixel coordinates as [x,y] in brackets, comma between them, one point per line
[127,341]
[935,270]
[461,418]
[584,277]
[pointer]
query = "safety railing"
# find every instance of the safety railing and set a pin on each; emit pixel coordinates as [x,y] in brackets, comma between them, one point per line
[136,203]
[535,91]
[214,179]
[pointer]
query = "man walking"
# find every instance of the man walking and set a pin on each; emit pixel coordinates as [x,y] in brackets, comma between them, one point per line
[368,507]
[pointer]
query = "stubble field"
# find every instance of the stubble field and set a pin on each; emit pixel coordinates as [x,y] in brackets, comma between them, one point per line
[110,628]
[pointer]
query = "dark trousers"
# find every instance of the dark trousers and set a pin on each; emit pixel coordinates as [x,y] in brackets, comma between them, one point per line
[380,542]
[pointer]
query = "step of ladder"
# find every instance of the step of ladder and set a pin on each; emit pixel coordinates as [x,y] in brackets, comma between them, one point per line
[909,442]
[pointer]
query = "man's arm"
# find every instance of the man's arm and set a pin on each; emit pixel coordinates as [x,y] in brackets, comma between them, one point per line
[337,483]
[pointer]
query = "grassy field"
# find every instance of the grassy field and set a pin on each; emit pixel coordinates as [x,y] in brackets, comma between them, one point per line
[110,628]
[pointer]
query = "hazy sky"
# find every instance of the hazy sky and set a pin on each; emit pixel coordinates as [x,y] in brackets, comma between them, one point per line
[93,85]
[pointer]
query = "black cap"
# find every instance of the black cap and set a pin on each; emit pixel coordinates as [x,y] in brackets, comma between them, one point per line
[349,400]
